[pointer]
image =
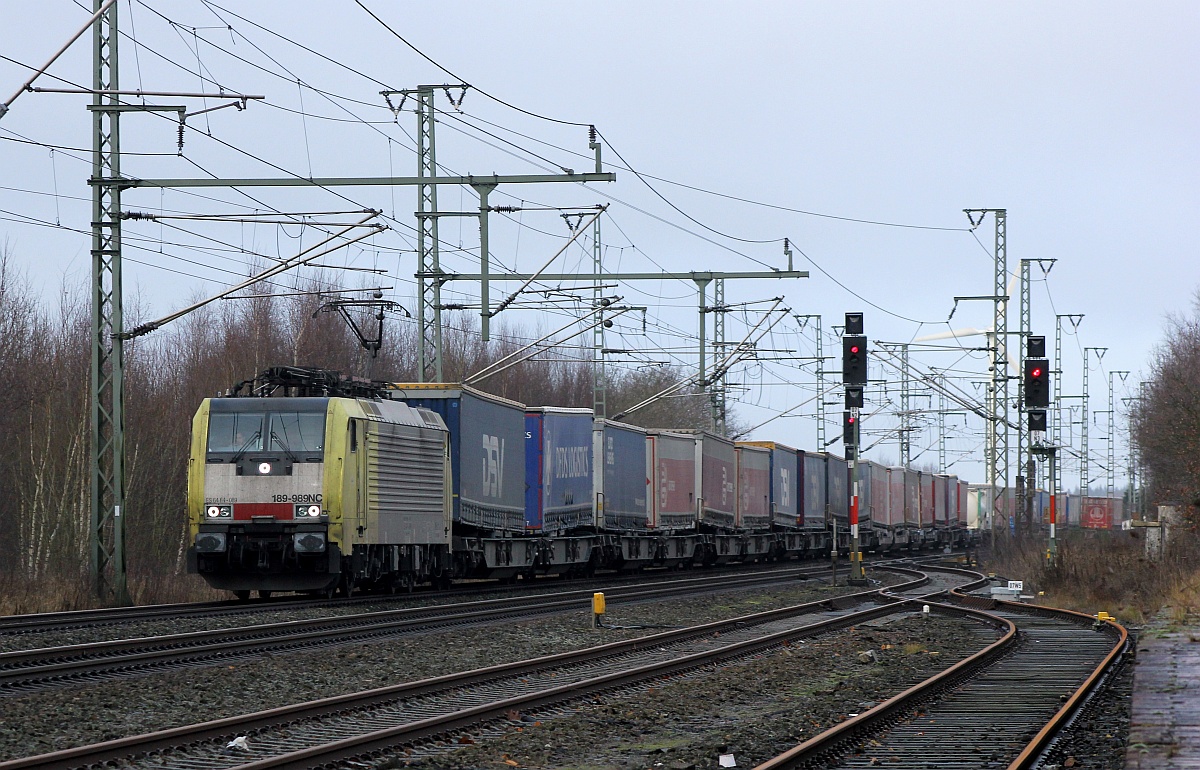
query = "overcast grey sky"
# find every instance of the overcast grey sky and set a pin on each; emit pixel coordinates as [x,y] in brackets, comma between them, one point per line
[1079,118]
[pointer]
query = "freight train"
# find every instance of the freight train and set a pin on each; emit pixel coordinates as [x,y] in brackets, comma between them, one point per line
[303,480]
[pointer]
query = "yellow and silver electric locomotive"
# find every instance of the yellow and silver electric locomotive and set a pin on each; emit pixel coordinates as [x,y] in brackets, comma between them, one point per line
[317,493]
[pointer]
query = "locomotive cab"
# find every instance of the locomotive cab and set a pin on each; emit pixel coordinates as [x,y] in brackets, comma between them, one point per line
[256,492]
[315,493]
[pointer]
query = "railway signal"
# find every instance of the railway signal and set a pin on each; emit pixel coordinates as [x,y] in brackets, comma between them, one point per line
[1037,383]
[1037,420]
[849,432]
[854,359]
[854,378]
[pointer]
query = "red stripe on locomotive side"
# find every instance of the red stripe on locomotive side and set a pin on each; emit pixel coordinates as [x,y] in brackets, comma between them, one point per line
[243,511]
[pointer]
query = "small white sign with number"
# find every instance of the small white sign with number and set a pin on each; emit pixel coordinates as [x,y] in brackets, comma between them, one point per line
[1016,585]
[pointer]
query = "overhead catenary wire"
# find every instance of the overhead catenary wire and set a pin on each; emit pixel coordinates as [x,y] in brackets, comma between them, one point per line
[296,261]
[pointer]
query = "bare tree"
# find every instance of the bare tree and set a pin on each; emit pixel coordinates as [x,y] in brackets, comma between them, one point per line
[1166,422]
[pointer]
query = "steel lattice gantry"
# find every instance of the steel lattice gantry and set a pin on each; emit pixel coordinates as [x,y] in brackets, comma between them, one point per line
[429,359]
[999,480]
[997,428]
[107,533]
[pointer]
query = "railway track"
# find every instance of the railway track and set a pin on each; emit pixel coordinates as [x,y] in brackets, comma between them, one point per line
[417,714]
[360,725]
[1001,708]
[28,670]
[48,622]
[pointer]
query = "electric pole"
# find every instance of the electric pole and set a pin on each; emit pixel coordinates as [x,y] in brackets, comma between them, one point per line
[1075,319]
[1084,481]
[816,319]
[1110,487]
[998,393]
[107,527]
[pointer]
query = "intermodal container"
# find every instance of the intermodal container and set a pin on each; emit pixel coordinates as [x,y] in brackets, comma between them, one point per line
[941,501]
[620,479]
[927,500]
[912,499]
[837,489]
[813,492]
[674,492]
[487,452]
[558,470]
[785,484]
[754,487]
[1096,513]
[717,459]
[872,494]
[895,517]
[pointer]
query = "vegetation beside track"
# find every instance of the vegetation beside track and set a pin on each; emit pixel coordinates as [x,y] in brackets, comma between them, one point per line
[1098,571]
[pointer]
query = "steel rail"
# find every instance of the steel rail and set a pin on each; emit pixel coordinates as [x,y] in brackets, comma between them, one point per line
[388,739]
[41,622]
[842,737]
[872,720]
[120,749]
[42,666]
[1029,757]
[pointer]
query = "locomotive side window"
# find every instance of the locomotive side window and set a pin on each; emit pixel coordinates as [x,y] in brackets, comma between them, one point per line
[297,432]
[353,435]
[235,432]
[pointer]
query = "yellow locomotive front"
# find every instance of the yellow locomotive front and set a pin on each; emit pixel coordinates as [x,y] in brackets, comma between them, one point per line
[257,495]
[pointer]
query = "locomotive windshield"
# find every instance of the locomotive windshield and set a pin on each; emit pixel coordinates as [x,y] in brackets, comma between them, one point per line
[235,432]
[292,426]
[297,432]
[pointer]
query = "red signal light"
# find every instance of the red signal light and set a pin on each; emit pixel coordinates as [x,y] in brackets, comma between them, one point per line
[1036,372]
[854,349]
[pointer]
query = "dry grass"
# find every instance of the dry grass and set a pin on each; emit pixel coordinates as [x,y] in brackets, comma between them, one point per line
[21,597]
[1107,571]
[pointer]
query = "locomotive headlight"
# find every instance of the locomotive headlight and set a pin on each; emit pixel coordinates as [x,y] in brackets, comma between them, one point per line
[264,468]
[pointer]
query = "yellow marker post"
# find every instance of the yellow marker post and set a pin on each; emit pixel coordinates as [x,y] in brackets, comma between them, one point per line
[597,609]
